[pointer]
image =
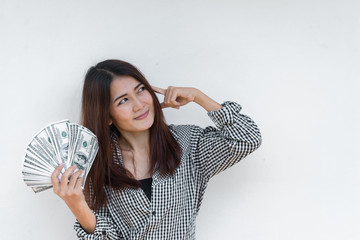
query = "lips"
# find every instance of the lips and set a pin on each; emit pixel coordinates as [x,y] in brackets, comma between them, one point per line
[142,116]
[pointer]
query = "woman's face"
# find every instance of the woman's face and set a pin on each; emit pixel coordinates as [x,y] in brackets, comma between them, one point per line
[131,105]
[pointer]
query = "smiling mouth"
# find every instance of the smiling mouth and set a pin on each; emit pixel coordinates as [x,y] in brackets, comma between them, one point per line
[142,116]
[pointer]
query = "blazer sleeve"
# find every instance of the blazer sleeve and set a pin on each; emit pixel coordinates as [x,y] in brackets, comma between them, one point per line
[105,227]
[218,148]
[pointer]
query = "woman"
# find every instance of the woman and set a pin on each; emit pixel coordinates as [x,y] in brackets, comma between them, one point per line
[148,178]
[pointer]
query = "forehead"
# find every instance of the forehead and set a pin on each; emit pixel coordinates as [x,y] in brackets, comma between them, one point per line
[124,82]
[122,85]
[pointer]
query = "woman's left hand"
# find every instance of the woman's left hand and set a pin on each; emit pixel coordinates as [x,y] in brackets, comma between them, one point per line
[176,96]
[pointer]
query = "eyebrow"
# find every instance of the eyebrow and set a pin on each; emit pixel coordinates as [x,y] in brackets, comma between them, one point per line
[126,93]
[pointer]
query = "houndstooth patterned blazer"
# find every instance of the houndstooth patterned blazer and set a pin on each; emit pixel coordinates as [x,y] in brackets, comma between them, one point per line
[176,199]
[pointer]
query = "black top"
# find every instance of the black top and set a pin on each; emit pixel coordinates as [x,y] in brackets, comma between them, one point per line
[146,186]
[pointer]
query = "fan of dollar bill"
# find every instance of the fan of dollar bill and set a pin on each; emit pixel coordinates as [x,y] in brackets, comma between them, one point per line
[56,143]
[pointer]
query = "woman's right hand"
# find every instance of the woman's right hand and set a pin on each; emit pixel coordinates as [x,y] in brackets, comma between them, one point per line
[70,191]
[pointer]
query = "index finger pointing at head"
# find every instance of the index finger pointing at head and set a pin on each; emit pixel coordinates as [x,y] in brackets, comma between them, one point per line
[159,90]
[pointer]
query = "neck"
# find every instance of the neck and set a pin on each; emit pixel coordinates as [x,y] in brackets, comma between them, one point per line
[137,142]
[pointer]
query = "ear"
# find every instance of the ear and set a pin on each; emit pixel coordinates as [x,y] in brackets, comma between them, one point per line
[110,121]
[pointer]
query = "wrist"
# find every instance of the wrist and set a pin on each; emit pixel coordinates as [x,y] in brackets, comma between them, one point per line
[206,102]
[77,206]
[197,95]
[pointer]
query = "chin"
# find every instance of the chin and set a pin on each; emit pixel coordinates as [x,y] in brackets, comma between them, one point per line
[144,127]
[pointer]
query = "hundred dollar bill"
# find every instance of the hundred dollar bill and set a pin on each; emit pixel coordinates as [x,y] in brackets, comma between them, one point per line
[58,133]
[35,179]
[33,176]
[35,150]
[96,148]
[40,189]
[73,133]
[36,163]
[92,134]
[30,169]
[31,166]
[34,171]
[84,151]
[37,182]
[46,144]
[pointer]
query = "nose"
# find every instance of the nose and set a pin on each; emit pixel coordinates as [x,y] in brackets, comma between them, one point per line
[138,104]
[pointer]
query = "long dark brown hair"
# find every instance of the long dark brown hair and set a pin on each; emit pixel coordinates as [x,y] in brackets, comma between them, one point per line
[165,151]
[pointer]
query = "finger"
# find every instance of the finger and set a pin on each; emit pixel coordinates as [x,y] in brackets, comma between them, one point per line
[174,103]
[65,176]
[74,178]
[173,98]
[159,90]
[167,95]
[163,105]
[55,178]
[78,183]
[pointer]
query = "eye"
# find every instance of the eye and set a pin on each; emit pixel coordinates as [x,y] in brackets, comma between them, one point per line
[122,101]
[142,89]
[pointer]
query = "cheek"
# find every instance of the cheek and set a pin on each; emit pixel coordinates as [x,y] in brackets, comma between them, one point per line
[119,114]
[149,98]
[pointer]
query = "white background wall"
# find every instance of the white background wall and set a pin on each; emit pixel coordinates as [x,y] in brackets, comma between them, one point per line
[294,66]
